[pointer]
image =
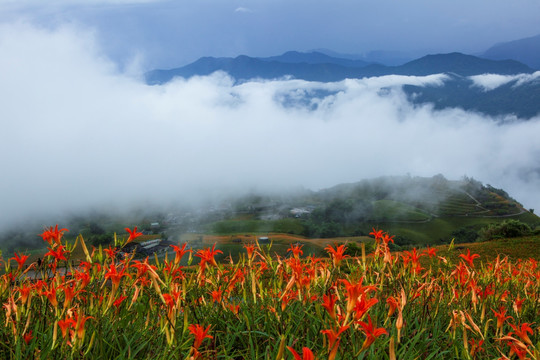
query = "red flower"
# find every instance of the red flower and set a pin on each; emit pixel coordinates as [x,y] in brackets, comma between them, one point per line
[180,252]
[58,254]
[200,334]
[522,331]
[501,316]
[207,256]
[28,337]
[81,320]
[133,234]
[354,291]
[329,303]
[51,295]
[24,291]
[296,250]
[362,306]
[65,325]
[337,254]
[250,248]
[111,252]
[378,234]
[393,305]
[469,258]
[216,295]
[431,252]
[387,238]
[371,332]
[115,276]
[307,354]
[20,260]
[51,235]
[119,301]
[69,294]
[333,340]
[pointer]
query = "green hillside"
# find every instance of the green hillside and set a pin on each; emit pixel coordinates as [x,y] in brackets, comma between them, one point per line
[417,210]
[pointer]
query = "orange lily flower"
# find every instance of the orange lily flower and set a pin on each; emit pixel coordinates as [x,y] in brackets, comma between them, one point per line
[522,331]
[362,306]
[115,276]
[250,248]
[393,305]
[296,250]
[19,259]
[333,340]
[518,304]
[387,238]
[307,354]
[119,301]
[216,295]
[354,291]
[58,254]
[69,294]
[469,258]
[111,252]
[337,254]
[28,337]
[200,334]
[65,325]
[378,234]
[329,303]
[207,256]
[51,235]
[81,320]
[501,316]
[180,252]
[431,252]
[133,234]
[371,332]
[51,295]
[24,291]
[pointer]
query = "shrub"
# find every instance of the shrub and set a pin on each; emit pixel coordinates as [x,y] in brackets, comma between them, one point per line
[465,235]
[506,229]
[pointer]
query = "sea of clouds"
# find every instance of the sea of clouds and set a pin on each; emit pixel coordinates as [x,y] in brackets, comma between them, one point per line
[79,133]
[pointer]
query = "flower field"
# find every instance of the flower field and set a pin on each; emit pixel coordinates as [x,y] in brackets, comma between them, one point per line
[410,305]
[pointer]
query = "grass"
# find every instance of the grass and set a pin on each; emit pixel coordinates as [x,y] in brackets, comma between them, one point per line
[396,211]
[515,248]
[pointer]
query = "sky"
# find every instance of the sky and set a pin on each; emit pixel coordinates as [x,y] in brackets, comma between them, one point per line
[172,33]
[81,129]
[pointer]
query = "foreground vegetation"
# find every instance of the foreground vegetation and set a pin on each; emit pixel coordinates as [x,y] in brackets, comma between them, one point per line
[383,305]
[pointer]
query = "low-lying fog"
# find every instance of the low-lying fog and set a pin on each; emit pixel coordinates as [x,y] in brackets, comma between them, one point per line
[77,133]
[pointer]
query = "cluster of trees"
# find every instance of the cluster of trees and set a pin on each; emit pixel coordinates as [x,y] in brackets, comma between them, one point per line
[507,229]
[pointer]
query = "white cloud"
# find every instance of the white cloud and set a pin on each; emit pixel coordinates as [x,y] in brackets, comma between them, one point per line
[77,133]
[492,81]
[242,9]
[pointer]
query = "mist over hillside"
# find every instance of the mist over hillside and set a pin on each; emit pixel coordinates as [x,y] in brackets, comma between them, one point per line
[81,134]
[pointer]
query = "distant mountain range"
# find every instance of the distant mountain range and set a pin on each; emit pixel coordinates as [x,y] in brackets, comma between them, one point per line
[513,97]
[525,50]
[316,66]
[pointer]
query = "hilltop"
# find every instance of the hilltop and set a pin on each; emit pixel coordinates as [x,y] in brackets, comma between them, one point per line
[417,210]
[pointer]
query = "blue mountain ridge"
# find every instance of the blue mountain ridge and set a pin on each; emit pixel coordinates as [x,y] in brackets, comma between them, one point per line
[521,100]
